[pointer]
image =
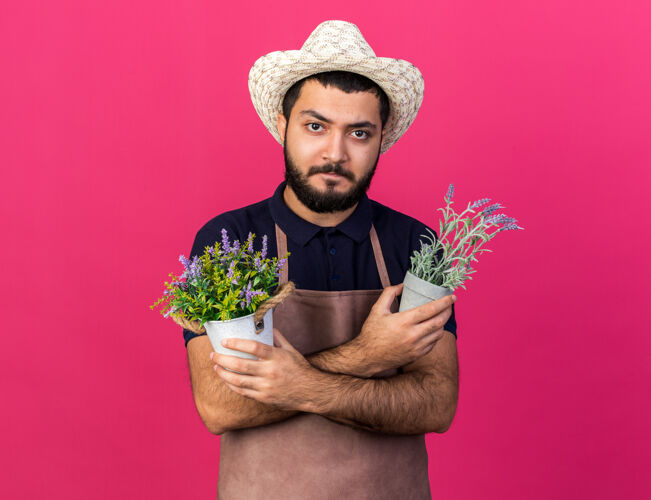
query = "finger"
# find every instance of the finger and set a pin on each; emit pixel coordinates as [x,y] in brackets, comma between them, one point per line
[429,310]
[429,341]
[241,365]
[236,379]
[258,349]
[433,324]
[386,298]
[282,342]
[248,393]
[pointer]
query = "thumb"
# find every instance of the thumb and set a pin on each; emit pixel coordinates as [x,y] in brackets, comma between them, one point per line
[282,342]
[385,300]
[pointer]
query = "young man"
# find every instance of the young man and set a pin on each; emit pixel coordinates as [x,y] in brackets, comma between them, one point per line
[338,408]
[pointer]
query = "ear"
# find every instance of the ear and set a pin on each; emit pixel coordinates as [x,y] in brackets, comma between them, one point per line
[384,131]
[281,123]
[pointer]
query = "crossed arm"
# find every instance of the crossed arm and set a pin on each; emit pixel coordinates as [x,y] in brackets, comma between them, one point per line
[332,383]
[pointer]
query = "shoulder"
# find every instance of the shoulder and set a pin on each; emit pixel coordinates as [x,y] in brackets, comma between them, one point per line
[397,226]
[238,222]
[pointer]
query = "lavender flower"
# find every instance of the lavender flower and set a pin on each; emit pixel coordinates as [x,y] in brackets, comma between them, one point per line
[249,293]
[225,243]
[184,261]
[450,193]
[236,246]
[194,271]
[263,254]
[279,265]
[479,203]
[490,209]
[446,262]
[495,219]
[249,243]
[231,270]
[508,227]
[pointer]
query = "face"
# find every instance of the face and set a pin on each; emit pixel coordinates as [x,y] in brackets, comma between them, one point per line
[332,146]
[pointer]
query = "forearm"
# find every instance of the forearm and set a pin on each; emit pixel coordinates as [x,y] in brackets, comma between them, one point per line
[408,403]
[219,407]
[230,411]
[226,410]
[346,359]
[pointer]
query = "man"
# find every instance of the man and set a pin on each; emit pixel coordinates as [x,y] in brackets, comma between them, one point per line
[338,408]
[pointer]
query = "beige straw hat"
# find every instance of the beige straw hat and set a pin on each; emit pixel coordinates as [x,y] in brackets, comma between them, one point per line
[336,46]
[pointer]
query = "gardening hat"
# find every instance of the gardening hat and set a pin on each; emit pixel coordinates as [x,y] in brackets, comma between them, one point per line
[336,46]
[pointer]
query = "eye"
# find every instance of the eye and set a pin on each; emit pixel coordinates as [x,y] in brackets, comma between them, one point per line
[314,127]
[361,134]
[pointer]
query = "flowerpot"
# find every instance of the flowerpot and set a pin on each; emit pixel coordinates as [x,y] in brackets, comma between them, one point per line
[417,291]
[240,328]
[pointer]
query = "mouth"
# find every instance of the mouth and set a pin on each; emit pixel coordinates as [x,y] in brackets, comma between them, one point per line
[331,175]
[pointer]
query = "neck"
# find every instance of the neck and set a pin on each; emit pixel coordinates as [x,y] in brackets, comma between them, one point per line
[319,219]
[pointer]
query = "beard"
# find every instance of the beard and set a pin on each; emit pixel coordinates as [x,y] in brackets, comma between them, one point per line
[329,201]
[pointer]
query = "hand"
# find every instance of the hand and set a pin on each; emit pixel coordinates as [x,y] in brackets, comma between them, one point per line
[392,340]
[281,376]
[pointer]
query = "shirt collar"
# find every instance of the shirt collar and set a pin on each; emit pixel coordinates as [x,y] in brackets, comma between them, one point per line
[356,226]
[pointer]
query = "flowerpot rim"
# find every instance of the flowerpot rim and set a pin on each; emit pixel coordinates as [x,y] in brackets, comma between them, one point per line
[425,281]
[221,321]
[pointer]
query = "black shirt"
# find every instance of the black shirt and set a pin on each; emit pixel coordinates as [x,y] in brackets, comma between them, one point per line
[325,258]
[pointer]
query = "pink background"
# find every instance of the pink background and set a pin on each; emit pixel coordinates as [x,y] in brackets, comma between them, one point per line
[127,125]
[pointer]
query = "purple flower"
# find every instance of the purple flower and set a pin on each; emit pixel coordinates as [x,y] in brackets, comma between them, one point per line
[479,203]
[279,265]
[496,219]
[231,269]
[450,192]
[211,251]
[184,261]
[225,243]
[264,247]
[508,227]
[492,208]
[194,270]
[236,246]
[249,293]
[249,243]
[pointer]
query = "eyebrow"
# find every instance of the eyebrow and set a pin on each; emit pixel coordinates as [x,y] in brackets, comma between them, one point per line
[319,116]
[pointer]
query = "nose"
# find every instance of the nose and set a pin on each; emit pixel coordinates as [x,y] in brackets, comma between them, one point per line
[335,150]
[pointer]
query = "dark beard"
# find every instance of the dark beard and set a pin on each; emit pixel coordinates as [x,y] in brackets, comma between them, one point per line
[329,201]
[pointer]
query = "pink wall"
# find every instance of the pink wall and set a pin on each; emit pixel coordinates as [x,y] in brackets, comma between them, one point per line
[126,125]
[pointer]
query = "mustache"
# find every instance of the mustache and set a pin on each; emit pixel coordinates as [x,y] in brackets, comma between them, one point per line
[328,168]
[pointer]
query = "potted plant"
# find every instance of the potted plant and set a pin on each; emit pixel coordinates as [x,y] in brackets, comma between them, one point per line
[227,292]
[443,264]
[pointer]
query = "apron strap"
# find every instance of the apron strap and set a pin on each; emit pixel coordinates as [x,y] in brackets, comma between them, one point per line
[281,244]
[379,258]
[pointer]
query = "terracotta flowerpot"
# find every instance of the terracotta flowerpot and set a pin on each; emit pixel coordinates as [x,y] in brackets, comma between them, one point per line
[417,292]
[240,328]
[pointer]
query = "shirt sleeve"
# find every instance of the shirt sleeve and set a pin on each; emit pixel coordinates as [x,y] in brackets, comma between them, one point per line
[419,236]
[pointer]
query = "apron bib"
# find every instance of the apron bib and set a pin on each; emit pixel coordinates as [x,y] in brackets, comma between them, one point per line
[308,457]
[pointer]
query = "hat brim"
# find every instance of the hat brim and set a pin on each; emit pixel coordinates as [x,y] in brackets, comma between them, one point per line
[273,74]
